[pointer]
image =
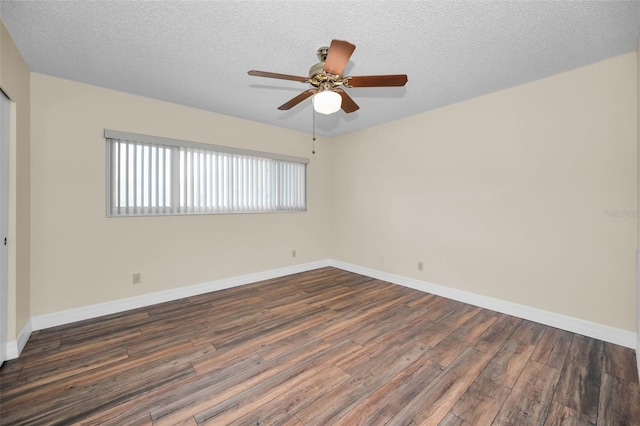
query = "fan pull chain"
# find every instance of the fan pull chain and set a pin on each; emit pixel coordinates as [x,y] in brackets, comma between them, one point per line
[313,146]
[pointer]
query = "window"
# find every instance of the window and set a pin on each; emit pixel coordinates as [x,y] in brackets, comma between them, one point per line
[148,175]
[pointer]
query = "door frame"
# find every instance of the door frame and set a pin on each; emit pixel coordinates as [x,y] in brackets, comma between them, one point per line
[5,132]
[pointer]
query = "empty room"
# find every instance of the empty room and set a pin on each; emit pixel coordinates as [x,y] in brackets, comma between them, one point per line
[319,213]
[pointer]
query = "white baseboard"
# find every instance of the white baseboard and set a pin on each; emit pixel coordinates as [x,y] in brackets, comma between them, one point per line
[598,331]
[638,353]
[86,312]
[15,347]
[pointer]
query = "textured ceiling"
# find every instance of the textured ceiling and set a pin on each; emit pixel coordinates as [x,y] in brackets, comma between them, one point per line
[198,53]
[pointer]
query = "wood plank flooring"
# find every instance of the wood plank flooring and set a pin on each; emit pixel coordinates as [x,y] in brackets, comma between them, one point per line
[325,347]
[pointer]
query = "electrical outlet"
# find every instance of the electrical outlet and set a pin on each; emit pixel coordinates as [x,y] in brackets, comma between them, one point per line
[420,266]
[137,278]
[293,253]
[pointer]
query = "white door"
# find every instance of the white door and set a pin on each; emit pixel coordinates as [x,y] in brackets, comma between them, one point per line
[4,225]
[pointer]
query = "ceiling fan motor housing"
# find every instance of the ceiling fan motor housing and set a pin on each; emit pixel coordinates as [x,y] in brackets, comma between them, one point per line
[316,69]
[318,77]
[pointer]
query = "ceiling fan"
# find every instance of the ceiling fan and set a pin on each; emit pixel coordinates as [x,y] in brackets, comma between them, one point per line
[326,79]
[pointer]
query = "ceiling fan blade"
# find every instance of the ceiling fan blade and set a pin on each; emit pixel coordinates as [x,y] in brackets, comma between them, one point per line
[348,105]
[278,76]
[339,53]
[376,80]
[295,101]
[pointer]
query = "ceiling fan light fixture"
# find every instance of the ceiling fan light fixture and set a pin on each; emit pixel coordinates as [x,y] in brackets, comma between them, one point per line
[327,102]
[326,78]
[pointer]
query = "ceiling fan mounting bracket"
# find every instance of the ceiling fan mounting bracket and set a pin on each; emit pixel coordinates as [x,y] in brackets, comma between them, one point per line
[322,53]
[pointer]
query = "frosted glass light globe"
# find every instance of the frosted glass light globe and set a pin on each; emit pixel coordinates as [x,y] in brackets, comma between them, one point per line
[327,102]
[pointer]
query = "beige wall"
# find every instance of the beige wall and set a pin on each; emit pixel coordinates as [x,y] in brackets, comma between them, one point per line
[504,195]
[14,81]
[80,257]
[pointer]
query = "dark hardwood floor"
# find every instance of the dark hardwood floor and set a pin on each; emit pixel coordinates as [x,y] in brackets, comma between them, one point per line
[325,347]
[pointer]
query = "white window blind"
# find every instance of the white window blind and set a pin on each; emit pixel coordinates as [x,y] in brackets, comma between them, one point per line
[147,175]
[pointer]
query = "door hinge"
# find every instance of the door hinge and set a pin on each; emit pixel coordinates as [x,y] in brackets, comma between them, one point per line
[5,241]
